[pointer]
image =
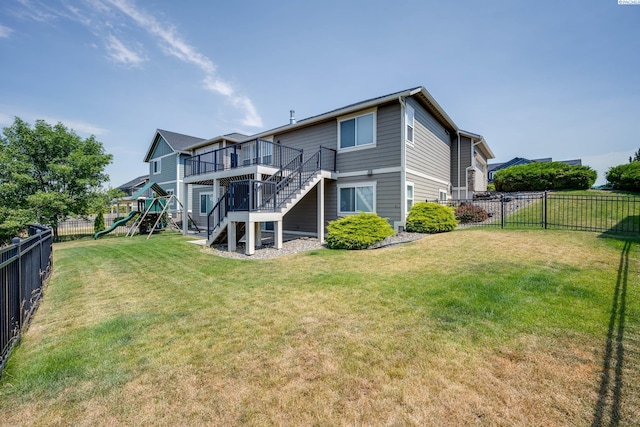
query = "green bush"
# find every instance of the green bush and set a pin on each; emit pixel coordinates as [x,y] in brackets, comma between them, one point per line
[466,213]
[544,176]
[98,223]
[357,231]
[625,177]
[427,217]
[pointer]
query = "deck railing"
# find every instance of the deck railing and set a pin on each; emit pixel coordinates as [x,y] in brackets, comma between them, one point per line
[268,195]
[254,152]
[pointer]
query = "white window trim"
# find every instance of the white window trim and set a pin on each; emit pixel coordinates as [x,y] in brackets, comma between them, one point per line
[155,162]
[413,126]
[354,185]
[446,195]
[204,193]
[373,111]
[413,198]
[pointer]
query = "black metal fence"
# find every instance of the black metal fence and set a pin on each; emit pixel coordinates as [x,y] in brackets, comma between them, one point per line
[25,265]
[548,210]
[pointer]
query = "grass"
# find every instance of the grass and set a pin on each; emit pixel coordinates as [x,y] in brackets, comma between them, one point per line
[159,332]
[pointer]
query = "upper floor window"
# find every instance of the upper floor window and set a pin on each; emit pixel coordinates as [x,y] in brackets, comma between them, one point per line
[156,166]
[357,131]
[409,118]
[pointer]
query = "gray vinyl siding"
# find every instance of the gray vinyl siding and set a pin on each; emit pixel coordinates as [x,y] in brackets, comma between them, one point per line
[167,170]
[161,149]
[303,216]
[431,150]
[388,193]
[425,189]
[387,151]
[311,138]
[330,201]
[458,171]
[201,220]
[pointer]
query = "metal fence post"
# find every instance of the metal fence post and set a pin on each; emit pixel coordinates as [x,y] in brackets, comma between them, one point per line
[16,241]
[544,214]
[502,212]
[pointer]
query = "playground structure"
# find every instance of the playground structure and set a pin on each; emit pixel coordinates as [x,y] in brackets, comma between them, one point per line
[152,214]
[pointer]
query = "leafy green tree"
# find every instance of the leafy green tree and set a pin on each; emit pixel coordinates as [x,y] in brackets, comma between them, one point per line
[50,171]
[544,176]
[635,157]
[625,177]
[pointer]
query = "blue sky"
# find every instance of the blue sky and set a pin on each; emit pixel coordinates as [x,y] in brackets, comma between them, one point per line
[539,78]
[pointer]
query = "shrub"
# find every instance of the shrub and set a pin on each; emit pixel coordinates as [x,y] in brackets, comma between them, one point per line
[544,176]
[466,213]
[625,177]
[427,217]
[98,223]
[357,231]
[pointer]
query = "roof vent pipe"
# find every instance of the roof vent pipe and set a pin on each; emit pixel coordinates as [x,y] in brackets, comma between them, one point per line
[292,117]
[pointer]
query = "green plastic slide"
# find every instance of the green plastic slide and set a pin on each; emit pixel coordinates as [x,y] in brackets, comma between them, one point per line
[118,223]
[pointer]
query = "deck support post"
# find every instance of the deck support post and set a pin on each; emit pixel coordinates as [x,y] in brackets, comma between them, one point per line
[250,238]
[231,236]
[277,234]
[258,226]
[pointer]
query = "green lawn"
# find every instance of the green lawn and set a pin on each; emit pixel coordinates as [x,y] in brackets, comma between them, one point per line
[474,327]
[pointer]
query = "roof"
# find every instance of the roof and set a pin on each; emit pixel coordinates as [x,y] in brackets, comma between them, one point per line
[419,92]
[154,186]
[134,182]
[233,137]
[177,141]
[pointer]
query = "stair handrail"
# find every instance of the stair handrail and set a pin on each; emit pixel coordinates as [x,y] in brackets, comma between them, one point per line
[221,207]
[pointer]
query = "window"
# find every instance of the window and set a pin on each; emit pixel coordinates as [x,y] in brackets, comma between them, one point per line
[206,203]
[357,131]
[155,164]
[266,151]
[442,196]
[409,196]
[409,115]
[248,153]
[356,198]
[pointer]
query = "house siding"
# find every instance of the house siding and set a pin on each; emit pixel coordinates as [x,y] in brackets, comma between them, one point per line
[167,170]
[425,190]
[201,220]
[385,154]
[430,152]
[388,195]
[162,148]
[303,216]
[310,139]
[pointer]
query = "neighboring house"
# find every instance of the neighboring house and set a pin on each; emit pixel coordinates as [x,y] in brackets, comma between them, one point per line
[494,167]
[165,156]
[131,187]
[380,155]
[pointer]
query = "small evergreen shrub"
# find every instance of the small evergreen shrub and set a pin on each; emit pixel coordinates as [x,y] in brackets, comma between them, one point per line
[98,223]
[357,231]
[467,213]
[430,218]
[538,176]
[625,177]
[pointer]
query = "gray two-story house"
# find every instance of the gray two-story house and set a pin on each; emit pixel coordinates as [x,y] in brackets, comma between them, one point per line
[380,155]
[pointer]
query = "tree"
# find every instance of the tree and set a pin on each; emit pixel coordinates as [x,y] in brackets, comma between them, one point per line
[625,177]
[635,157]
[50,171]
[539,176]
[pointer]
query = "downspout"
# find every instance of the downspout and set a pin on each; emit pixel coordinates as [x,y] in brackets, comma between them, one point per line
[403,167]
[458,169]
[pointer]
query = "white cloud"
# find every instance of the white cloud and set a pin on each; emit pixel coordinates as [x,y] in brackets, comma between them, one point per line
[120,53]
[78,126]
[5,119]
[171,42]
[5,31]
